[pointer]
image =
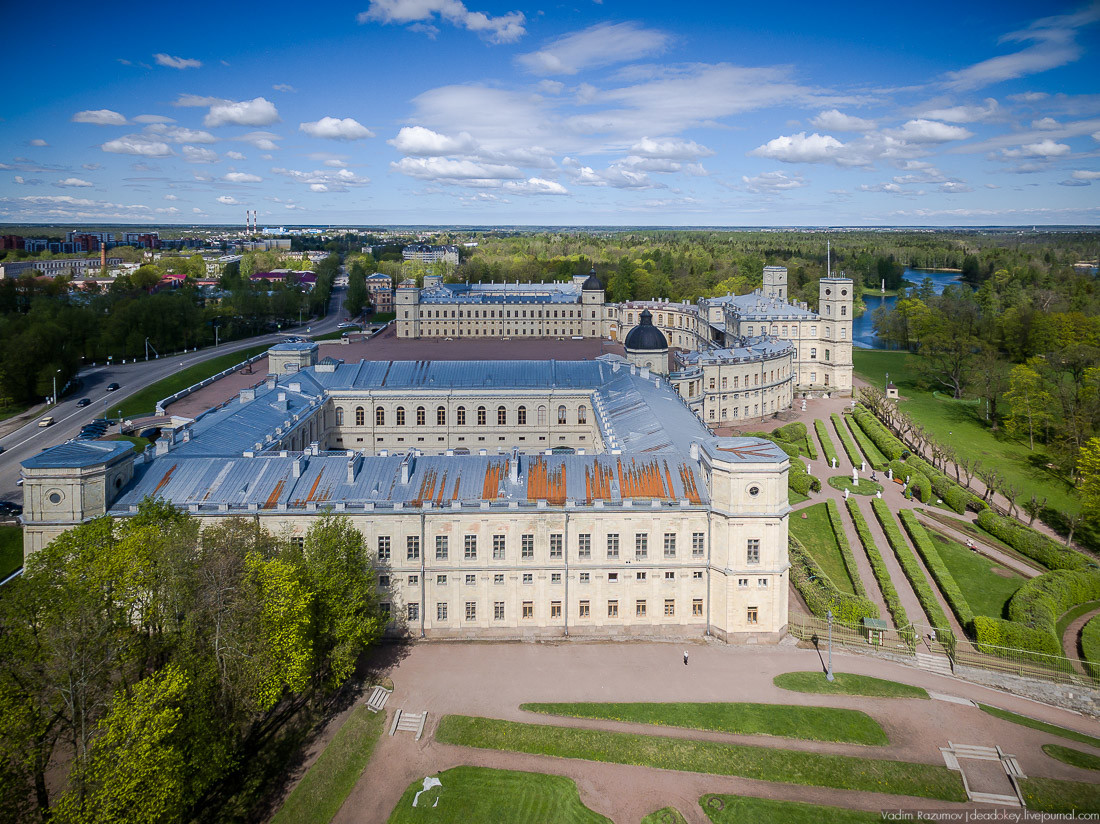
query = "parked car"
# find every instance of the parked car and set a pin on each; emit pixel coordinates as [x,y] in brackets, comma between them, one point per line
[46,421]
[83,402]
[1,449]
[9,509]
[111,387]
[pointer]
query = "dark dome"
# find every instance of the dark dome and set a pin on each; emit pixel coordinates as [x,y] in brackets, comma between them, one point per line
[593,283]
[645,336]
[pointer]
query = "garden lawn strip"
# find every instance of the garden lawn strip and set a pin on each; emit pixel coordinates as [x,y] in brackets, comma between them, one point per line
[1075,758]
[878,566]
[845,549]
[808,723]
[762,763]
[987,592]
[910,567]
[846,683]
[976,532]
[849,447]
[1036,724]
[470,795]
[1049,795]
[873,454]
[665,815]
[815,534]
[827,448]
[942,575]
[1090,646]
[11,549]
[743,809]
[1072,615]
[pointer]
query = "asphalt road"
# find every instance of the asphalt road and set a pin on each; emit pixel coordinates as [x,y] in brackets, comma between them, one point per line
[68,418]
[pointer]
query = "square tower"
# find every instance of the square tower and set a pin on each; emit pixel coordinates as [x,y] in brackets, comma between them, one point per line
[407,304]
[775,282]
[835,302]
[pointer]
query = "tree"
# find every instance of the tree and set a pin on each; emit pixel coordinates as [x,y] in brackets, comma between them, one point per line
[356,299]
[1088,470]
[1029,401]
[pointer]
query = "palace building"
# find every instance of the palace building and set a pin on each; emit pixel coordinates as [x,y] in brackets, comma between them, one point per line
[498,499]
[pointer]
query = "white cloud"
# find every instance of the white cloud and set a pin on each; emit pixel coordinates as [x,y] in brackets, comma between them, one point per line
[235,155]
[91,167]
[1054,43]
[549,87]
[195,154]
[599,45]
[892,188]
[773,182]
[242,177]
[180,134]
[177,62]
[1045,124]
[442,168]
[1044,148]
[836,121]
[198,101]
[422,142]
[964,114]
[38,141]
[170,197]
[929,131]
[228,201]
[623,174]
[534,186]
[318,187]
[507,28]
[99,117]
[284,87]
[800,148]
[72,182]
[264,141]
[1082,174]
[335,128]
[332,181]
[137,144]
[954,187]
[153,118]
[674,148]
[256,112]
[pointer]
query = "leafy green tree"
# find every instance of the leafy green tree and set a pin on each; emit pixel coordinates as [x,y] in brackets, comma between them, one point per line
[1088,470]
[1030,402]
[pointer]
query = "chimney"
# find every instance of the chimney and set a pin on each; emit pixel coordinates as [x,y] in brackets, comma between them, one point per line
[102,259]
[300,463]
[406,468]
[513,467]
[354,462]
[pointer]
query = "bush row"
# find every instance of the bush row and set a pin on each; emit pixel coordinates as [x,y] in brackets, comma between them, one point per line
[919,485]
[878,566]
[910,567]
[1087,533]
[874,457]
[826,443]
[849,447]
[997,632]
[1028,542]
[880,436]
[796,433]
[845,548]
[942,575]
[820,594]
[800,480]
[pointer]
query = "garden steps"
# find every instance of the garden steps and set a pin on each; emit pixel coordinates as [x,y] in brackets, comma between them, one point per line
[409,722]
[939,664]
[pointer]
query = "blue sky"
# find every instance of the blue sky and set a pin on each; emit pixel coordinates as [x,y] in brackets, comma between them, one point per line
[495,112]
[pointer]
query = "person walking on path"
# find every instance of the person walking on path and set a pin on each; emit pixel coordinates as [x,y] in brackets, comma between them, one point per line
[685,658]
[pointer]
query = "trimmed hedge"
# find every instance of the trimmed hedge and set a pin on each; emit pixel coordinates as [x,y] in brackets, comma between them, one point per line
[796,433]
[820,593]
[826,443]
[1033,611]
[910,567]
[880,436]
[878,566]
[1028,542]
[942,575]
[874,457]
[849,447]
[845,548]
[919,485]
[800,480]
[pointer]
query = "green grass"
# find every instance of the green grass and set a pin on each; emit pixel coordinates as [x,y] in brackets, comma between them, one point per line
[864,487]
[827,448]
[741,809]
[145,401]
[139,443]
[874,457]
[846,683]
[1050,795]
[809,723]
[979,534]
[1075,758]
[764,763]
[1090,645]
[339,333]
[1072,615]
[845,440]
[962,425]
[472,795]
[322,790]
[815,533]
[794,497]
[1042,726]
[665,815]
[11,411]
[987,592]
[11,549]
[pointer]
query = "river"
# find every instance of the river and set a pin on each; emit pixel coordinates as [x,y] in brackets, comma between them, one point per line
[863,332]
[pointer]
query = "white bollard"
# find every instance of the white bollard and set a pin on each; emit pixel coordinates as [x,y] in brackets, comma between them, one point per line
[879,494]
[834,463]
[845,493]
[863,466]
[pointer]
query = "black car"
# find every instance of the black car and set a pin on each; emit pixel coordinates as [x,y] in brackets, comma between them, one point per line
[111,387]
[10,510]
[83,402]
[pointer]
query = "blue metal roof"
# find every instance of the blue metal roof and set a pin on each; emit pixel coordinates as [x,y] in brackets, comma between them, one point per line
[77,454]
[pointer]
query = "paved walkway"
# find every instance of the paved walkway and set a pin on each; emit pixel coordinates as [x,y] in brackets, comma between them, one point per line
[492,680]
[1070,636]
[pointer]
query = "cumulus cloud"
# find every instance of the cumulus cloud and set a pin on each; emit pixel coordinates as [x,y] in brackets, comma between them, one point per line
[195,154]
[99,117]
[72,182]
[836,121]
[331,181]
[284,87]
[892,188]
[930,131]
[623,174]
[1044,148]
[335,128]
[170,197]
[954,187]
[1045,124]
[422,142]
[179,134]
[256,112]
[177,62]
[506,28]
[235,155]
[38,142]
[1086,174]
[153,118]
[673,148]
[228,201]
[771,182]
[137,144]
[534,186]
[264,141]
[242,177]
[803,148]
[601,45]
[442,168]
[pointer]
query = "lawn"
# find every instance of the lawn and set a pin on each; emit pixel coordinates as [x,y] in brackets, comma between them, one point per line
[795,497]
[665,815]
[1072,615]
[874,456]
[322,790]
[979,534]
[470,795]
[864,487]
[815,533]
[959,424]
[846,683]
[810,723]
[144,402]
[764,763]
[1052,796]
[739,809]
[1075,758]
[1043,726]
[11,549]
[985,584]
[139,443]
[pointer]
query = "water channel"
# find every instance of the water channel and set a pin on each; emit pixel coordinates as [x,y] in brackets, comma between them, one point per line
[863,331]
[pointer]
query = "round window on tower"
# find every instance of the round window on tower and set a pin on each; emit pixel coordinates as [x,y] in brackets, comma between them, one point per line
[843,292]
[55,496]
[754,491]
[828,291]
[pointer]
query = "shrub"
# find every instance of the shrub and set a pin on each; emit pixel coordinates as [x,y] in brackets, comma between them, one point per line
[997,632]
[946,489]
[826,443]
[1028,542]
[821,594]
[880,436]
[800,480]
[878,566]
[919,485]
[910,567]
[850,448]
[796,433]
[946,581]
[874,457]
[845,548]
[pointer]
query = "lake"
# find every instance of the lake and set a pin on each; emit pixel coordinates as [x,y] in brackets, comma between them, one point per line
[863,332]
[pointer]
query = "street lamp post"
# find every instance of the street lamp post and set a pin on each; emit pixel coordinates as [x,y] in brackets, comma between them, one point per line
[829,672]
[55,374]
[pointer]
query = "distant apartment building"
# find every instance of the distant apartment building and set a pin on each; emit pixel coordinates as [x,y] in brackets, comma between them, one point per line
[380,290]
[89,241]
[142,240]
[36,244]
[11,242]
[424,253]
[78,268]
[306,279]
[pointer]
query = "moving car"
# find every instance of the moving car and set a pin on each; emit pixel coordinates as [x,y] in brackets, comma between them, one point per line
[46,421]
[111,387]
[83,402]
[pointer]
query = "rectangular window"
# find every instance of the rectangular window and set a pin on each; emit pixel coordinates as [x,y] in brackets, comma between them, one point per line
[441,547]
[383,547]
[670,607]
[670,545]
[498,579]
[385,610]
[528,610]
[470,548]
[498,547]
[641,545]
[612,577]
[441,612]
[498,610]
[471,580]
[584,546]
[528,578]
[556,545]
[414,580]
[441,580]
[613,545]
[639,609]
[555,609]
[696,606]
[413,611]
[527,547]
[612,609]
[762,583]
[555,577]
[742,582]
[697,575]
[641,576]
[585,577]
[697,544]
[670,576]
[751,616]
[383,581]
[471,610]
[583,609]
[412,548]
[752,554]
[298,542]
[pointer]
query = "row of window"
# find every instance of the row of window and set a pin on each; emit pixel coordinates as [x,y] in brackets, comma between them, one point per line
[755,378]
[460,416]
[584,610]
[555,578]
[482,314]
[556,545]
[813,330]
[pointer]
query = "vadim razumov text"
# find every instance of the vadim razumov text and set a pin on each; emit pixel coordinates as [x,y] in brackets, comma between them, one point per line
[1006,815]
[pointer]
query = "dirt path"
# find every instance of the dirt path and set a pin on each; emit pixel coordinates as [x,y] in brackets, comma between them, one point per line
[1070,636]
[984,547]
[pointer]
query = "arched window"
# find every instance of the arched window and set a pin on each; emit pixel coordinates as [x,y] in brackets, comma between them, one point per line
[542,416]
[379,416]
[582,414]
[460,416]
[360,416]
[440,416]
[400,416]
[339,416]
[502,416]
[561,414]
[420,416]
[521,416]
[481,416]
[813,352]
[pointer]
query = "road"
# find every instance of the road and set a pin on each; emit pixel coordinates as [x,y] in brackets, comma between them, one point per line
[131,377]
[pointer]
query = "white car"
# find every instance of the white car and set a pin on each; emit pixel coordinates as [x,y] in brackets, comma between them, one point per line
[47,421]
